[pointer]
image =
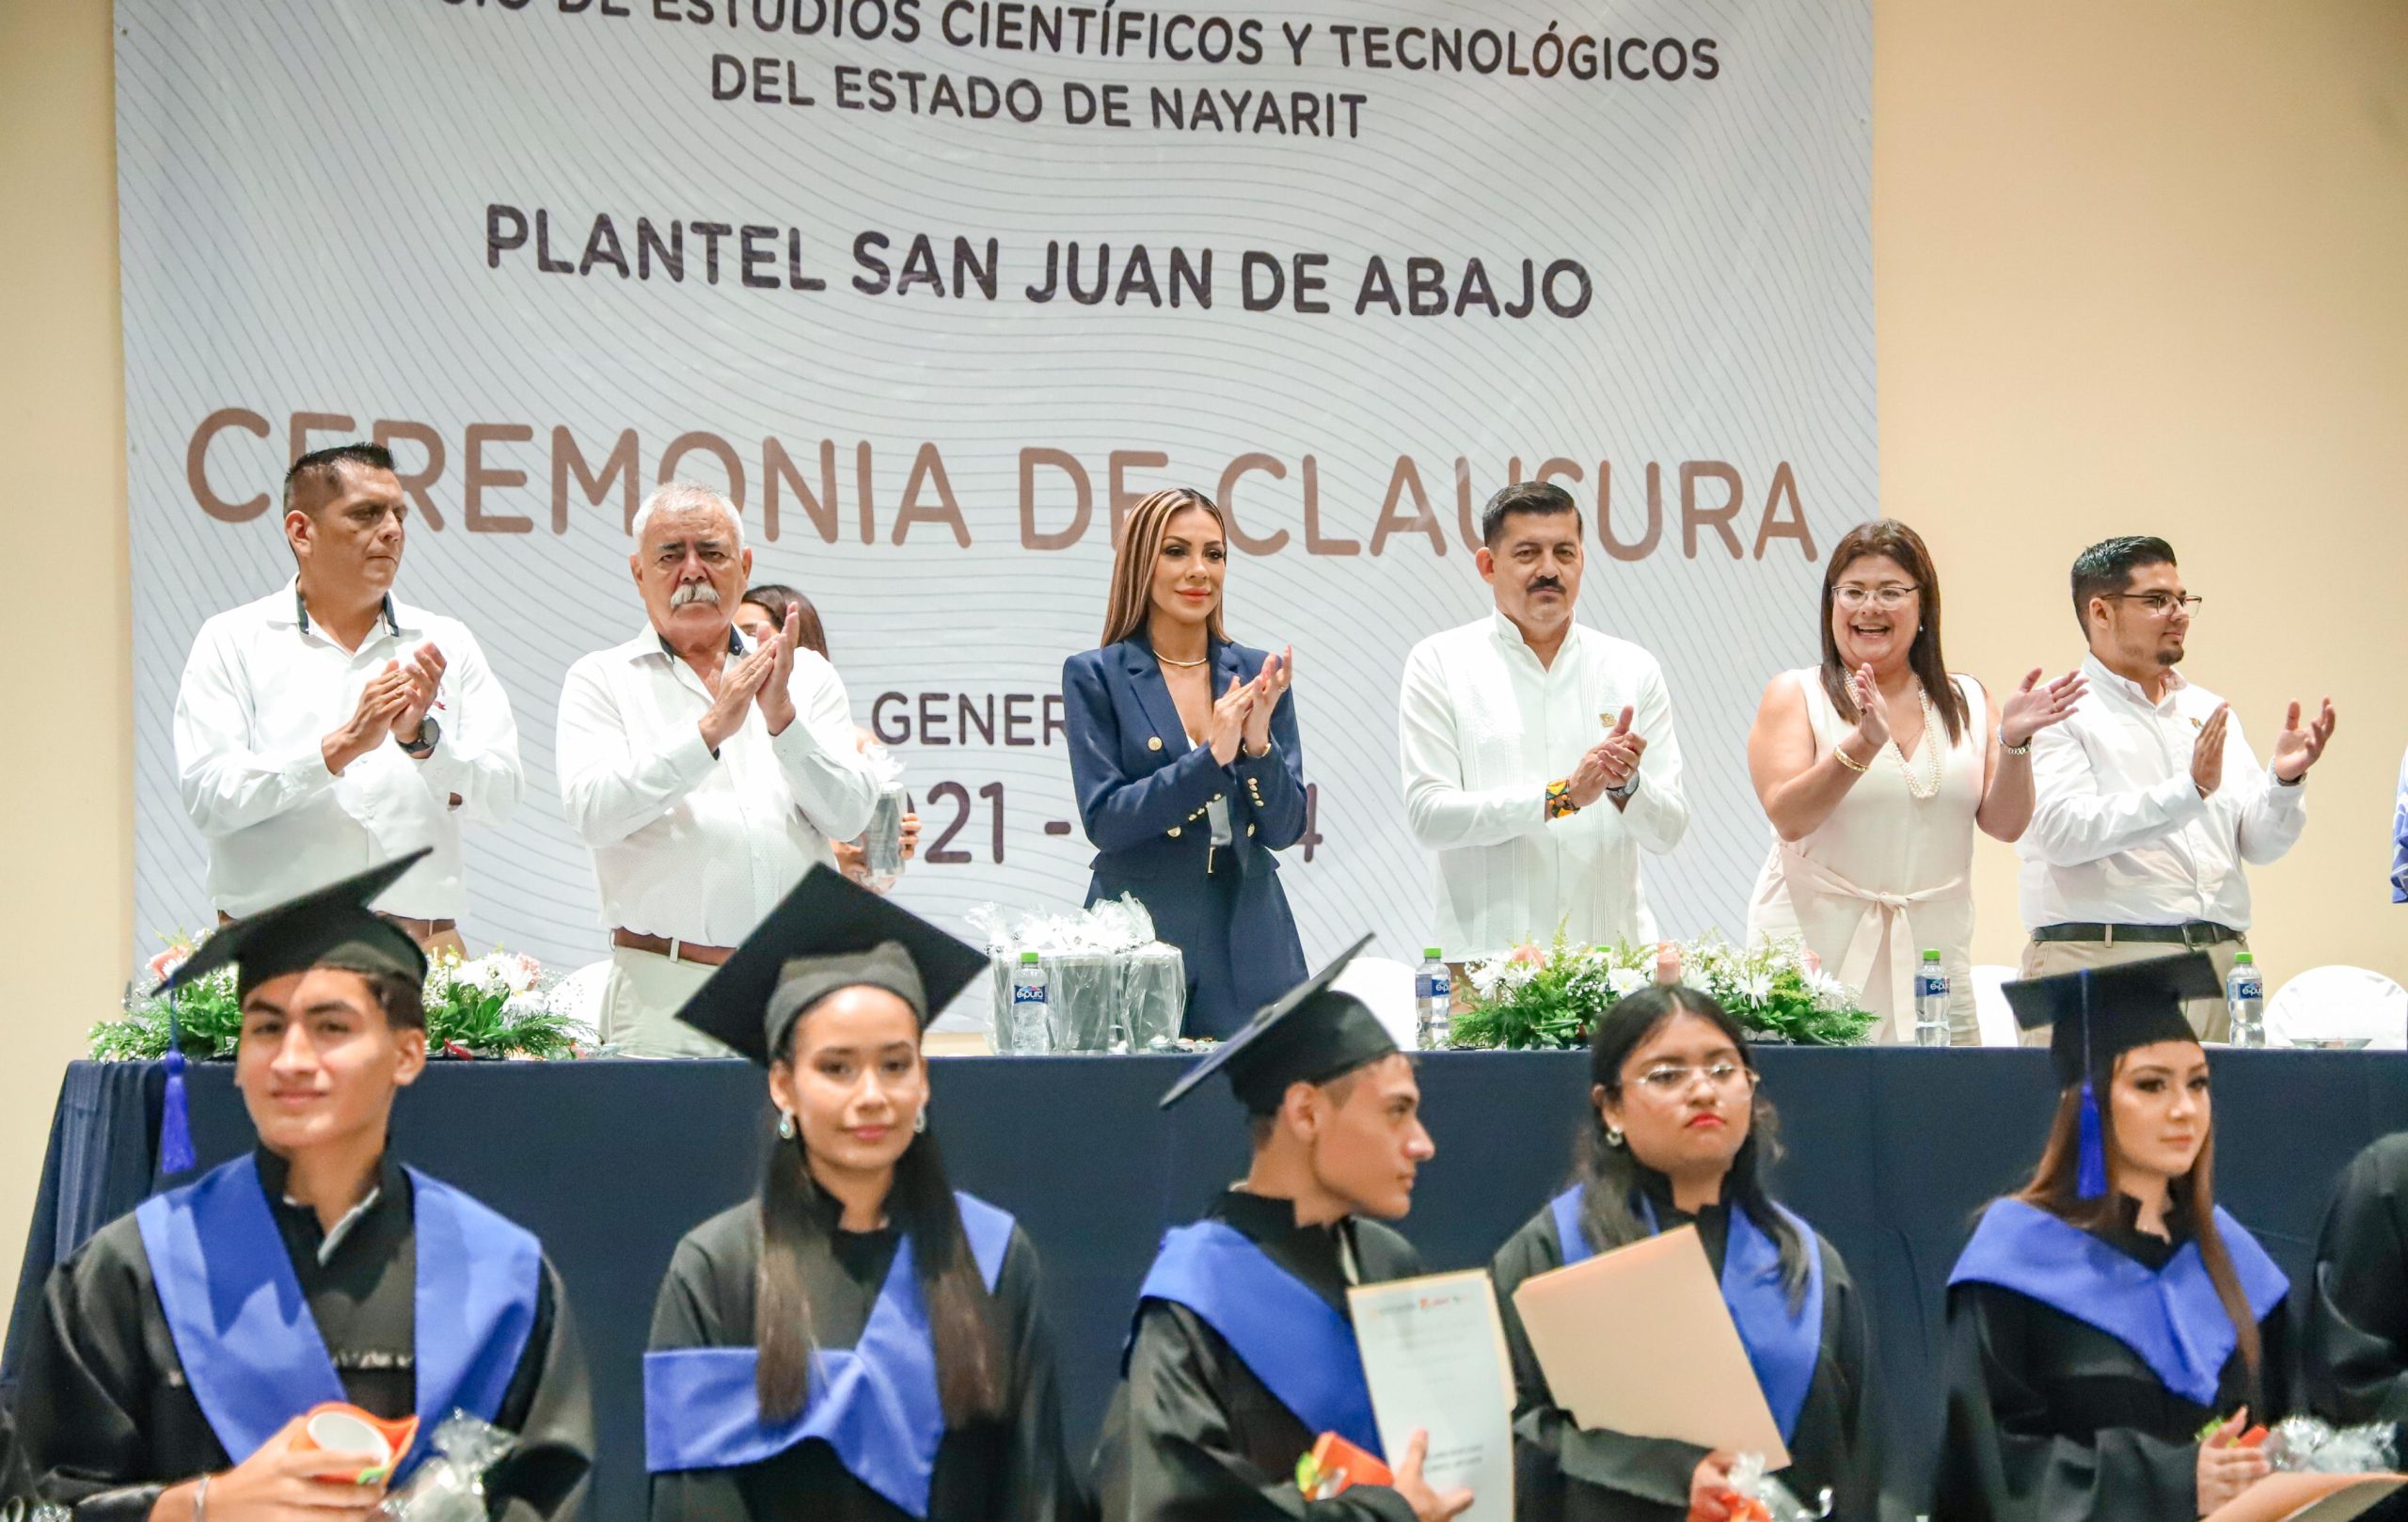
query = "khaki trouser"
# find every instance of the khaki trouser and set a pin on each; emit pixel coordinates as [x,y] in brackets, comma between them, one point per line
[2210,1017]
[640,1001]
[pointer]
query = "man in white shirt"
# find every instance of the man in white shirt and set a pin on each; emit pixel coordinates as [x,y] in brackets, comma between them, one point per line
[2147,797]
[326,727]
[1524,737]
[704,772]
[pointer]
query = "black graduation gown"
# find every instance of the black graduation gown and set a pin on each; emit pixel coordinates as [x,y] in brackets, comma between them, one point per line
[1563,1473]
[2355,1346]
[1193,1436]
[1011,1469]
[106,1420]
[2050,1420]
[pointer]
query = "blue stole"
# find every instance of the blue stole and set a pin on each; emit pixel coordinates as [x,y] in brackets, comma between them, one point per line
[875,1403]
[2169,1317]
[241,1325]
[1301,1347]
[1782,1345]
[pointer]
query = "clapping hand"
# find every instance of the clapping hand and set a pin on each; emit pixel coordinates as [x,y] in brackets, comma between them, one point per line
[777,699]
[2034,707]
[1229,720]
[1270,685]
[371,723]
[1872,709]
[423,671]
[2207,751]
[2296,749]
[739,685]
[1609,763]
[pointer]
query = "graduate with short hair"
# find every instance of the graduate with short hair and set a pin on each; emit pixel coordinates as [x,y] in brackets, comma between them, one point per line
[2112,1333]
[178,1351]
[1679,1133]
[857,1342]
[1243,1352]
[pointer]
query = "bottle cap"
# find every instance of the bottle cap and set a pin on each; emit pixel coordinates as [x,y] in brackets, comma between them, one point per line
[1026,958]
[1430,954]
[1931,956]
[2244,959]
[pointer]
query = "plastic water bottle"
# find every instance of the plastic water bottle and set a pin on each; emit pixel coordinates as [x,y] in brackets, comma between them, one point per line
[1931,1001]
[1433,1001]
[1032,1031]
[2244,994]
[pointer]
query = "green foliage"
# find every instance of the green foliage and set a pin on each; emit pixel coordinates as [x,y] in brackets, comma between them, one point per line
[495,1006]
[1553,998]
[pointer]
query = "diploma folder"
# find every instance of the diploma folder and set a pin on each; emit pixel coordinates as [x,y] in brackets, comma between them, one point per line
[1638,1341]
[2308,1498]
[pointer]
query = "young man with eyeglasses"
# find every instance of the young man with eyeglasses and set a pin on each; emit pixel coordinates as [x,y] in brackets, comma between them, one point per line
[2148,798]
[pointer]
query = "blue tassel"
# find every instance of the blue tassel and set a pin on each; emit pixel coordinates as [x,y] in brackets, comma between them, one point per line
[2091,1181]
[175,1117]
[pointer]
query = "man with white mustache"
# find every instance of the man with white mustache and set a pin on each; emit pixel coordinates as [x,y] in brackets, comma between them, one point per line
[704,772]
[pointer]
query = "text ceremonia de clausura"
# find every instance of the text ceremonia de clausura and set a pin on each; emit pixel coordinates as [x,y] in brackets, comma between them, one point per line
[499,477]
[770,257]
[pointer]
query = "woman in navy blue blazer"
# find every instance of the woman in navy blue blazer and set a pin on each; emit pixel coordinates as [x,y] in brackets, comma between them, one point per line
[1184,754]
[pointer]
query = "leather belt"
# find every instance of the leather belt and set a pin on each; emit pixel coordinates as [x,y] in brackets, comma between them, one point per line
[2195,933]
[420,931]
[669,946]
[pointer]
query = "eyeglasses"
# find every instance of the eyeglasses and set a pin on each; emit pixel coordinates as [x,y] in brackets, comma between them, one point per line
[1672,1078]
[1890,596]
[2160,604]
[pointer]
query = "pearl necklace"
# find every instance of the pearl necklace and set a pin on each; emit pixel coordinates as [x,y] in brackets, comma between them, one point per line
[1929,760]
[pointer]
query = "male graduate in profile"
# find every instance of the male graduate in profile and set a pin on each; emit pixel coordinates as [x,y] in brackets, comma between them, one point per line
[1244,1353]
[178,1351]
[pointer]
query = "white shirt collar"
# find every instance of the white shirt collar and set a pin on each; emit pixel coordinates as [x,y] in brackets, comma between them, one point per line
[287,608]
[2097,671]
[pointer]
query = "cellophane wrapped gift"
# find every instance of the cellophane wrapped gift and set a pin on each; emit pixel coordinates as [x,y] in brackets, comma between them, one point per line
[2303,1445]
[881,844]
[450,1487]
[1766,1498]
[1107,980]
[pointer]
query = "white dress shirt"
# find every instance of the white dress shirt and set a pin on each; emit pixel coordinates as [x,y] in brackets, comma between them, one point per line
[2119,835]
[262,689]
[1485,729]
[688,845]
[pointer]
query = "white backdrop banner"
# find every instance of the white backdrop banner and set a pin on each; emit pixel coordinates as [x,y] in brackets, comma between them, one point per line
[936,288]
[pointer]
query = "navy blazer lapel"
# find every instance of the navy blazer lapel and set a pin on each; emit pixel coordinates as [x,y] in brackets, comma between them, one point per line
[1226,664]
[1153,695]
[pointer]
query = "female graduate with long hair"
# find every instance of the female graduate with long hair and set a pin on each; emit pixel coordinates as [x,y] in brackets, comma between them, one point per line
[1681,1136]
[857,1341]
[2112,1333]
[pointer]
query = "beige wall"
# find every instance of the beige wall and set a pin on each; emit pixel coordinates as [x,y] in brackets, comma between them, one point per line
[2138,267]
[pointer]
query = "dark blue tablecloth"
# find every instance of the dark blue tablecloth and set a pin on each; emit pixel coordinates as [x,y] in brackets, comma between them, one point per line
[1891,1154]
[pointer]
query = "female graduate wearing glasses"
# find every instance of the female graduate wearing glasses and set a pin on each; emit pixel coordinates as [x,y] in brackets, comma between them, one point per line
[857,1344]
[2111,1334]
[1681,1136]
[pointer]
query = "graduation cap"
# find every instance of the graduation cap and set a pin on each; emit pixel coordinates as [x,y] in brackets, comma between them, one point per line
[1311,1035]
[328,926]
[2098,1014]
[828,933]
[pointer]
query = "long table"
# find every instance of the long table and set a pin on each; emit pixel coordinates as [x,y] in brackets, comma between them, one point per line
[1890,1152]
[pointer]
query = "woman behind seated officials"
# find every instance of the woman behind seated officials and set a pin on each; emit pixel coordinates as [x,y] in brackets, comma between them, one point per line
[1680,1135]
[2111,1332]
[1188,766]
[857,1342]
[763,613]
[1875,770]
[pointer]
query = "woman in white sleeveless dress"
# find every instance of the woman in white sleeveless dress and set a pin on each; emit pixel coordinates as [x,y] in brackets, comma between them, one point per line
[1875,768]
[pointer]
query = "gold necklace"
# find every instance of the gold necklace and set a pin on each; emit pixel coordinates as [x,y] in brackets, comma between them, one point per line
[1167,661]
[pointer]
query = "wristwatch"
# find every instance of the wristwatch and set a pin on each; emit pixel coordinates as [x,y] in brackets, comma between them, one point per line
[1624,793]
[428,732]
